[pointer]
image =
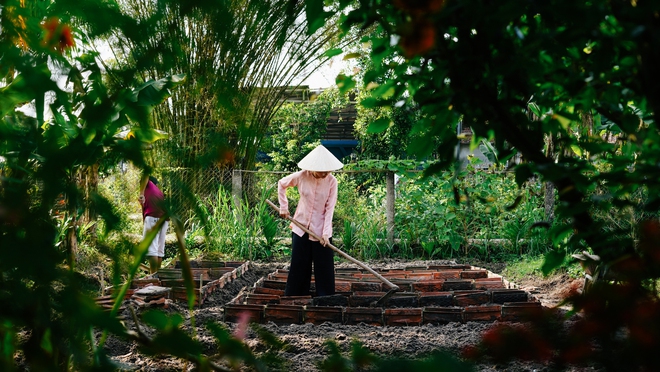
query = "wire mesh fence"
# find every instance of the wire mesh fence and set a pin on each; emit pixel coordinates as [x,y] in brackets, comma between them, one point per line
[186,187]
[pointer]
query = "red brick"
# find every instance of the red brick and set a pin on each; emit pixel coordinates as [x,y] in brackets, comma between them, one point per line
[471,298]
[200,273]
[474,274]
[442,315]
[428,286]
[457,284]
[403,317]
[436,299]
[364,299]
[405,285]
[262,299]
[278,276]
[341,286]
[482,313]
[447,274]
[428,275]
[400,275]
[488,283]
[366,286]
[276,284]
[357,315]
[272,291]
[169,274]
[403,299]
[500,296]
[338,299]
[521,311]
[233,312]
[322,314]
[283,314]
[296,300]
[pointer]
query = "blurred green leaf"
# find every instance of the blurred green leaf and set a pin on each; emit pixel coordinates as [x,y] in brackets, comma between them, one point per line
[553,260]
[380,125]
[344,83]
[160,320]
[315,15]
[333,52]
[523,173]
[46,343]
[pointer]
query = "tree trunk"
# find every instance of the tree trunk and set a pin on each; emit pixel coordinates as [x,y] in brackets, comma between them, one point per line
[549,201]
[71,240]
[89,183]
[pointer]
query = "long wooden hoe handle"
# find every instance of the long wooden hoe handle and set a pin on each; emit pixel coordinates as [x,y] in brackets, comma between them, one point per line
[393,287]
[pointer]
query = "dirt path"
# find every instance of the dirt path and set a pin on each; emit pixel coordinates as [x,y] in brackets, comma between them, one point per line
[306,342]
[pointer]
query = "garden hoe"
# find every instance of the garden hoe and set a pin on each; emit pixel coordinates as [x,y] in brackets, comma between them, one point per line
[393,287]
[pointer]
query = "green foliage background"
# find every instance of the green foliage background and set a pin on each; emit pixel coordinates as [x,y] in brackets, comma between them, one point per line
[570,86]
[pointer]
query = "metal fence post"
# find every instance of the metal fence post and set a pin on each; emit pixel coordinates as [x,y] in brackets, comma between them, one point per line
[237,186]
[390,207]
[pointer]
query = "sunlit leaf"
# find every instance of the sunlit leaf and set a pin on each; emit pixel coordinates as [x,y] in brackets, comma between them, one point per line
[333,52]
[379,125]
[577,150]
[46,343]
[535,109]
[565,122]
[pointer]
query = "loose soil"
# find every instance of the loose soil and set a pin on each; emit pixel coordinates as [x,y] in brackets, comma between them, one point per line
[306,341]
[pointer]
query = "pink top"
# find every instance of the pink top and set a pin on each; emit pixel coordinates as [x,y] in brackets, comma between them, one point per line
[153,198]
[318,198]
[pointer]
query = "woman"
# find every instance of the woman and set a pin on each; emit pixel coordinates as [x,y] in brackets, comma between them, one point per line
[318,197]
[152,200]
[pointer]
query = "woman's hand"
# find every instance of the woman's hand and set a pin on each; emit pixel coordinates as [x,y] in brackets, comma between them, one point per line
[285,214]
[324,241]
[141,198]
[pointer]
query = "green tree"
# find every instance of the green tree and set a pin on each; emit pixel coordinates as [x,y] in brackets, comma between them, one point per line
[484,63]
[57,116]
[394,139]
[297,128]
[241,58]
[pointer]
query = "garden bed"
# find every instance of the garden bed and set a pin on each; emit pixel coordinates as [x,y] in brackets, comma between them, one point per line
[432,294]
[306,340]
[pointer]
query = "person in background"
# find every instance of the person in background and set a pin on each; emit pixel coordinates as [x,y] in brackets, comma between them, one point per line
[151,199]
[318,197]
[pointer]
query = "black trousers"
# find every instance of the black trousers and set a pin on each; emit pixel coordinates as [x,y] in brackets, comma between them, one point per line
[303,254]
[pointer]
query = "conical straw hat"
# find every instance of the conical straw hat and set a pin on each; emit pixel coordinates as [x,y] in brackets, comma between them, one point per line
[320,160]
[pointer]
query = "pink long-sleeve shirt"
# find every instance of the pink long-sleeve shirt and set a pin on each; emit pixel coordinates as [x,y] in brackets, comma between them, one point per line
[316,207]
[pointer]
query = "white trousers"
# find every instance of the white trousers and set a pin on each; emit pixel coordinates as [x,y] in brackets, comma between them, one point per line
[157,247]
